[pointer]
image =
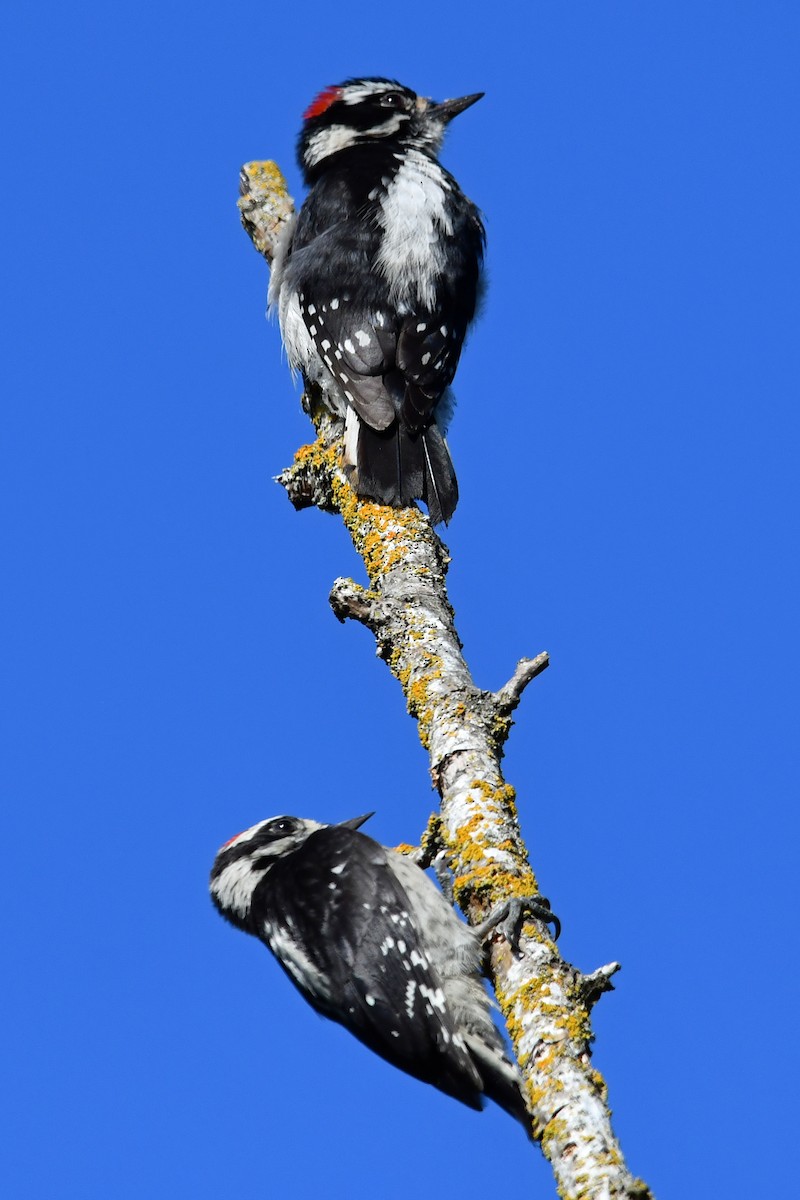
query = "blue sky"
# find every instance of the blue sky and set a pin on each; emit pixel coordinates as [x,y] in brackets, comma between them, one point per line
[626,445]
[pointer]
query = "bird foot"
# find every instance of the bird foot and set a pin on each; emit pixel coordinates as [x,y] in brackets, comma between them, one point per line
[509,918]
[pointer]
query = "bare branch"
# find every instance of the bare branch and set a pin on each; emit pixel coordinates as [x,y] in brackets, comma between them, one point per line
[510,694]
[545,1001]
[593,986]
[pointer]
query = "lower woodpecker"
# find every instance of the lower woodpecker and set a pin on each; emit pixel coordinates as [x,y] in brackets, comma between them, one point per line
[370,941]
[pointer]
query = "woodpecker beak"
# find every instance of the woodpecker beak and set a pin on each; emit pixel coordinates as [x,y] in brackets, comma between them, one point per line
[448,109]
[355,822]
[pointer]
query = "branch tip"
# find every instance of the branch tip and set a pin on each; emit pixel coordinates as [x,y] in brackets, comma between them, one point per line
[308,482]
[592,987]
[509,696]
[349,600]
[264,205]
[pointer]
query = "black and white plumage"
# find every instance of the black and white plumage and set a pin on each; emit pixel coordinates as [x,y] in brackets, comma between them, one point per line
[376,282]
[371,943]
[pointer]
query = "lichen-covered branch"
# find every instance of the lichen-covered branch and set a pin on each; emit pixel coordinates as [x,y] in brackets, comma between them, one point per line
[546,1002]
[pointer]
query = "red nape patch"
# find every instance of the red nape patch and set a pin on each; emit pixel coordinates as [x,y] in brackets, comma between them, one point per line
[230,841]
[322,102]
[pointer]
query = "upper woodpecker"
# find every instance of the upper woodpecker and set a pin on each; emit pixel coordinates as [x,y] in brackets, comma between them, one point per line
[376,282]
[372,943]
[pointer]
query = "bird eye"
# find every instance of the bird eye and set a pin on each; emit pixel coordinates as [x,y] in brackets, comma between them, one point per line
[283,825]
[392,100]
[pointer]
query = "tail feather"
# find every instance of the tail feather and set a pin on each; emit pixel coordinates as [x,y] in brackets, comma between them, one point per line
[434,503]
[501,1079]
[397,467]
[441,486]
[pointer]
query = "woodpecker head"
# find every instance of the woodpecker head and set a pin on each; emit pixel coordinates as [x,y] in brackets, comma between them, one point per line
[242,862]
[364,112]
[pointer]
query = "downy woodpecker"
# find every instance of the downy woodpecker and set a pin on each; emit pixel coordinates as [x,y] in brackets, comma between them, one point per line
[375,283]
[371,943]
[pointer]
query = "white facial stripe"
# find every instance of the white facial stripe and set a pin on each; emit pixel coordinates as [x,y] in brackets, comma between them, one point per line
[355,93]
[234,887]
[389,126]
[329,141]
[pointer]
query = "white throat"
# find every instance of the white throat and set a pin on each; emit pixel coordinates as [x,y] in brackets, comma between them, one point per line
[413,216]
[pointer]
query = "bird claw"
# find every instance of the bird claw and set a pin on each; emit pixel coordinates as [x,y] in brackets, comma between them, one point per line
[509,917]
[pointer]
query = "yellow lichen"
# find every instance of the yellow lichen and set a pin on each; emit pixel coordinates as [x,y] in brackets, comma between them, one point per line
[405,848]
[576,1025]
[266,173]
[383,536]
[503,795]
